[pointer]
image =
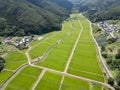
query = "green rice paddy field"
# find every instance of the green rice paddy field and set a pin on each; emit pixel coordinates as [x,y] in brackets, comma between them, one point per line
[24,80]
[14,59]
[85,60]
[84,63]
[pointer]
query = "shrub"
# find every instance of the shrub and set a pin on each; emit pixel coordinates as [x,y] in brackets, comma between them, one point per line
[118,54]
[118,78]
[22,47]
[117,87]
[102,48]
[104,54]
[109,60]
[2,61]
[111,81]
[111,40]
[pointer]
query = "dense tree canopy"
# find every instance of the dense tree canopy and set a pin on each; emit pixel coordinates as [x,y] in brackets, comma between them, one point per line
[98,10]
[1,63]
[21,17]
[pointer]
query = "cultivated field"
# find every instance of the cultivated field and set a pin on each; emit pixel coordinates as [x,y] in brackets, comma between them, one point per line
[74,84]
[58,57]
[39,47]
[49,81]
[14,59]
[62,60]
[25,80]
[85,61]
[4,75]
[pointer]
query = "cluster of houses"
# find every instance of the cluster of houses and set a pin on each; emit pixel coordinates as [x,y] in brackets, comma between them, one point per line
[24,40]
[6,41]
[108,28]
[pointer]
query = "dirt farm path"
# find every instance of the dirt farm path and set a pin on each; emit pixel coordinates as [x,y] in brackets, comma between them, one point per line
[44,69]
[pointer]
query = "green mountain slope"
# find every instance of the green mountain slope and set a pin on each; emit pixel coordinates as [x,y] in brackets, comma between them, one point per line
[22,17]
[98,10]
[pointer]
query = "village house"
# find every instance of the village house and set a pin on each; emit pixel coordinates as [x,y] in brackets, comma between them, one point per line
[24,40]
[108,28]
[7,41]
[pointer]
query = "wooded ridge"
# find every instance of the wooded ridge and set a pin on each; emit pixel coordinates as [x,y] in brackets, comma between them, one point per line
[23,17]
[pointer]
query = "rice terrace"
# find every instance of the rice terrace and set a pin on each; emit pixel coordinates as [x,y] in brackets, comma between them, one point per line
[61,60]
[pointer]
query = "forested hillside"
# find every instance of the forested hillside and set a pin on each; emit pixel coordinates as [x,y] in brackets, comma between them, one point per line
[98,10]
[23,17]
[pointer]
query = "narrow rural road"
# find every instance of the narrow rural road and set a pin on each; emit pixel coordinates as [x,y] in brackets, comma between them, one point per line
[39,78]
[49,49]
[8,70]
[61,83]
[108,73]
[72,53]
[31,63]
[74,47]
[28,55]
[74,76]
[71,75]
[4,84]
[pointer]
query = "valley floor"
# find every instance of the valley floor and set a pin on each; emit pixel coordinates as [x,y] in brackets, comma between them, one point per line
[63,60]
